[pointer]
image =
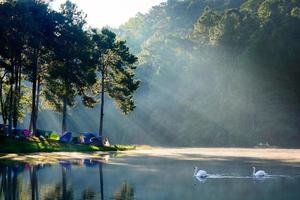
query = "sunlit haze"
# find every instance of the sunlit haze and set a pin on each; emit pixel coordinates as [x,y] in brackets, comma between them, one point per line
[110,12]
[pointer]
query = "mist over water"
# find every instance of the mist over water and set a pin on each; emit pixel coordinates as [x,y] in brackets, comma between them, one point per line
[153,174]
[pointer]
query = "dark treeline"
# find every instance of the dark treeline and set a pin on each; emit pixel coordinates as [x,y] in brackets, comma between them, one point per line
[48,59]
[216,72]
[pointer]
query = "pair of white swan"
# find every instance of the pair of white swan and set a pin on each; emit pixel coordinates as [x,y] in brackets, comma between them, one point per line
[203,174]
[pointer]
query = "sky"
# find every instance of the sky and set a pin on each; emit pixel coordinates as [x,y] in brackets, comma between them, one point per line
[110,12]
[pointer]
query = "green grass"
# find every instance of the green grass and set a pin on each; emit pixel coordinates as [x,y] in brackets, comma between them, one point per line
[34,144]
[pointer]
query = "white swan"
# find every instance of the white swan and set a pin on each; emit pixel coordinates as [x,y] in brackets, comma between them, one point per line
[200,173]
[259,173]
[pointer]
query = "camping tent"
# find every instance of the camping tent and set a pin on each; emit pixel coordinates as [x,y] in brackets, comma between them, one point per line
[21,132]
[66,137]
[88,137]
[26,132]
[54,135]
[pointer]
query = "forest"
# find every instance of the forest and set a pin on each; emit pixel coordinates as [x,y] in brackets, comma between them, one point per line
[213,72]
[217,72]
[52,60]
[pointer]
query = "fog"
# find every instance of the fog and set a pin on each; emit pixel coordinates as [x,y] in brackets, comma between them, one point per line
[215,105]
[193,94]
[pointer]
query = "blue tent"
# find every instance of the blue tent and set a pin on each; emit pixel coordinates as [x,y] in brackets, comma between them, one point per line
[88,137]
[66,137]
[16,131]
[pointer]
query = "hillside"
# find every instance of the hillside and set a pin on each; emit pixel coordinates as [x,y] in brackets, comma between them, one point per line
[213,73]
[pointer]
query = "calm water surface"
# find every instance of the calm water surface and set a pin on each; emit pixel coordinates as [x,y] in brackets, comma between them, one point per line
[146,176]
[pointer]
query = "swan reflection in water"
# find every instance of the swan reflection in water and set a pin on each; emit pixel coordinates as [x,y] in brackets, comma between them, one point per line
[201,180]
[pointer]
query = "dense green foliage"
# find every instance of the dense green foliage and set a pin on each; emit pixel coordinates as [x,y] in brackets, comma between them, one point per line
[116,65]
[217,73]
[53,54]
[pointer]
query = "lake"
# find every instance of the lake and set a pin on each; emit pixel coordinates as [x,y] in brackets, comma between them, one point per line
[159,173]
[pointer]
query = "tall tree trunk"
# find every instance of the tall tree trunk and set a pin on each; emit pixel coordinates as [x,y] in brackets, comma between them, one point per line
[11,96]
[20,80]
[1,103]
[37,98]
[18,90]
[32,125]
[3,110]
[16,94]
[64,115]
[102,105]
[10,109]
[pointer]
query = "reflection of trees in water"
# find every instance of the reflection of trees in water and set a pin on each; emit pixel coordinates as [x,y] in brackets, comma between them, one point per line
[101,181]
[67,193]
[10,187]
[34,183]
[88,194]
[13,187]
[60,190]
[126,192]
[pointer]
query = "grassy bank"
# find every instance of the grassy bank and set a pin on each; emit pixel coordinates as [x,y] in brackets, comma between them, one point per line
[34,144]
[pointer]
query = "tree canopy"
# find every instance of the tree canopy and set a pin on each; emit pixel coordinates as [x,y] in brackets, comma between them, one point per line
[217,72]
[53,54]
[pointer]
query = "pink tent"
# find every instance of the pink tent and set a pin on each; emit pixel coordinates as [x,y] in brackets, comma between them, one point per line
[26,132]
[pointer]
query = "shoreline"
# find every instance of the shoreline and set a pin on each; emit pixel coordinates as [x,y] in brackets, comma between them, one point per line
[288,156]
[37,145]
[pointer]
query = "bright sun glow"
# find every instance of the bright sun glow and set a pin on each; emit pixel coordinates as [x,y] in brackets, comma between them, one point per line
[110,12]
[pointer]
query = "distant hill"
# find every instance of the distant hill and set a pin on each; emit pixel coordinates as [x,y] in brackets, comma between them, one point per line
[214,73]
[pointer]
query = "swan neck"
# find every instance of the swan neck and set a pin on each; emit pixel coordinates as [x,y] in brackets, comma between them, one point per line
[196,168]
[253,171]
